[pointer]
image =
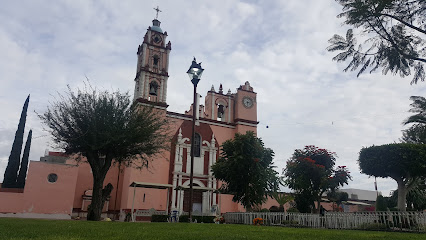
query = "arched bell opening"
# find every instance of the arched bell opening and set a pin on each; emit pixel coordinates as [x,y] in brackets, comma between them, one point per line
[220,112]
[155,60]
[153,88]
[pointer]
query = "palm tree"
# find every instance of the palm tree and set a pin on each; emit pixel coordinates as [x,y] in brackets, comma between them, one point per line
[419,107]
[282,199]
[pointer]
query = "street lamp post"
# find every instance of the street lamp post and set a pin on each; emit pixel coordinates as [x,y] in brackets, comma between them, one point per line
[194,72]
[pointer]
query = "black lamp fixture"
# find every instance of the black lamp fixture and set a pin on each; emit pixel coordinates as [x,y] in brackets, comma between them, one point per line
[194,72]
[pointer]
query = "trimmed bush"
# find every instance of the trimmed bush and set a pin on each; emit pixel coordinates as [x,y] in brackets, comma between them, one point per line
[159,218]
[204,219]
[290,223]
[274,209]
[293,210]
[373,226]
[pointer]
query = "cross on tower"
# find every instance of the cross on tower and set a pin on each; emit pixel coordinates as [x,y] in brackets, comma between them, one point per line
[158,10]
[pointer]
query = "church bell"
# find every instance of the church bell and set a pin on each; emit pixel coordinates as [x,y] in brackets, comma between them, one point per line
[152,90]
[220,111]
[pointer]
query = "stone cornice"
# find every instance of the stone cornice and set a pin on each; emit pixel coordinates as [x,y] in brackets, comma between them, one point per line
[155,104]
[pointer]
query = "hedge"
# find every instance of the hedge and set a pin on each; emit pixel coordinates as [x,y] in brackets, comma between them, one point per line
[204,219]
[159,218]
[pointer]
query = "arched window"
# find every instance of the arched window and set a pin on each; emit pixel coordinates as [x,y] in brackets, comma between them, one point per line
[197,145]
[153,88]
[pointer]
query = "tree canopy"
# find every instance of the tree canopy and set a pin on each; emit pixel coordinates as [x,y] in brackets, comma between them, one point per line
[310,172]
[394,37]
[105,127]
[403,162]
[246,168]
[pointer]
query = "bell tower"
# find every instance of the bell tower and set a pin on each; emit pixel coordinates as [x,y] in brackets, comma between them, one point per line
[152,66]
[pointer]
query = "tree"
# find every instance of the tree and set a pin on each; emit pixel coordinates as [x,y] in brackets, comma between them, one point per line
[403,162]
[337,197]
[105,127]
[415,134]
[304,201]
[11,173]
[20,181]
[245,167]
[394,32]
[282,199]
[416,196]
[310,173]
[381,203]
[418,106]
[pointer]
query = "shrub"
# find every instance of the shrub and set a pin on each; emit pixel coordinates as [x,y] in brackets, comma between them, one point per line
[258,221]
[381,204]
[219,219]
[290,223]
[293,209]
[204,219]
[274,209]
[373,226]
[209,219]
[159,218]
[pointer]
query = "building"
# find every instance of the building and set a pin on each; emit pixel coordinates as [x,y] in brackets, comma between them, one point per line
[359,200]
[58,187]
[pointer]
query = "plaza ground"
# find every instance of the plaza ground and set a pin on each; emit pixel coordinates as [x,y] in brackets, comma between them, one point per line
[11,228]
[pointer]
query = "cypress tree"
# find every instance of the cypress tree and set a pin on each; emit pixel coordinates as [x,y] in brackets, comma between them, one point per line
[20,182]
[10,175]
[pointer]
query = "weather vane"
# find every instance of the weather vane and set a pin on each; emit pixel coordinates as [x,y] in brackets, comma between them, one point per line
[158,10]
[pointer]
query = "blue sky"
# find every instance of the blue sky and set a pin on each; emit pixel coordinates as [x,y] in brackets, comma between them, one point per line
[279,46]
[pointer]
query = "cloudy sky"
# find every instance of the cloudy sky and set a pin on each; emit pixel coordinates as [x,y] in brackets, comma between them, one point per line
[278,46]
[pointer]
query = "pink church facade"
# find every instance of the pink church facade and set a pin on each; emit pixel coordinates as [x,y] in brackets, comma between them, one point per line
[58,187]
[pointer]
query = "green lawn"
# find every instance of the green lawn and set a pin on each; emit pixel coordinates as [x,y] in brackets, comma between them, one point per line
[57,229]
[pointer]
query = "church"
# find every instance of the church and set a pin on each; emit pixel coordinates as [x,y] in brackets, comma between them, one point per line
[58,187]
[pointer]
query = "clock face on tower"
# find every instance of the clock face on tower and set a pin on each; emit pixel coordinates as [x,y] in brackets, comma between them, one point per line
[157,38]
[247,102]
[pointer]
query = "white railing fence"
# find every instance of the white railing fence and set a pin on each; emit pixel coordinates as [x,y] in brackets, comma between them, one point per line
[391,221]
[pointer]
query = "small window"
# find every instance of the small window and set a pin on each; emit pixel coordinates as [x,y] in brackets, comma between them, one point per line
[197,145]
[52,178]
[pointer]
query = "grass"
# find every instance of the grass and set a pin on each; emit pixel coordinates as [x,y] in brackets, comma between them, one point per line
[11,228]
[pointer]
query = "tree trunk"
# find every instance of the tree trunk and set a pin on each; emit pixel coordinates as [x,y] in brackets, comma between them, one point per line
[316,209]
[402,194]
[96,206]
[106,192]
